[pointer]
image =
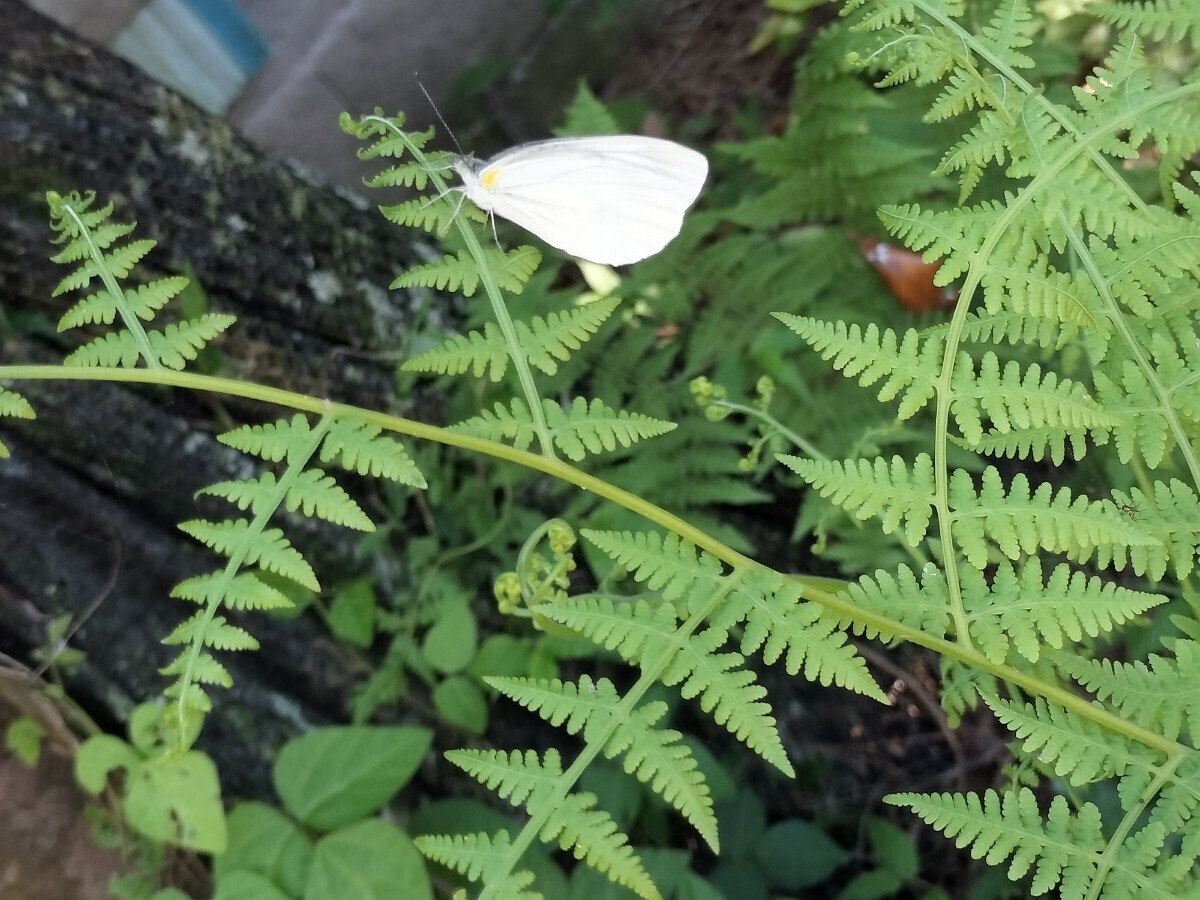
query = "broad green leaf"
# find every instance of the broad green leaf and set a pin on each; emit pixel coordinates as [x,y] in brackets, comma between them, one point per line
[460,702]
[451,642]
[352,615]
[24,738]
[373,860]
[263,841]
[335,776]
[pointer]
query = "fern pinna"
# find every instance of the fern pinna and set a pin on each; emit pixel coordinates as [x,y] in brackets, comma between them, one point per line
[1076,329]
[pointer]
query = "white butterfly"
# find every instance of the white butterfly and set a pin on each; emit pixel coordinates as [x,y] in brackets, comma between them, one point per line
[612,199]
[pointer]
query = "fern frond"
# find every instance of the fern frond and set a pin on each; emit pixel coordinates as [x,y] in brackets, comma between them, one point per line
[1065,846]
[1020,399]
[144,301]
[363,448]
[648,635]
[267,548]
[461,274]
[1020,521]
[1028,611]
[583,428]
[434,215]
[1157,20]
[215,632]
[909,366]
[546,342]
[311,491]
[271,441]
[571,819]
[657,757]
[172,347]
[667,564]
[1172,516]
[901,597]
[808,638]
[245,590]
[1164,696]
[205,670]
[1080,750]
[480,857]
[869,488]
[13,406]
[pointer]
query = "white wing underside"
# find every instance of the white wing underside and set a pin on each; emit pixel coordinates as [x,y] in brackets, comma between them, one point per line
[613,200]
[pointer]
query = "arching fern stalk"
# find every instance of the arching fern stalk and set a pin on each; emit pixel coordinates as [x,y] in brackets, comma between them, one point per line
[1065,257]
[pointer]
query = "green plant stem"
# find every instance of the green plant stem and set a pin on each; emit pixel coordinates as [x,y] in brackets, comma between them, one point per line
[499,309]
[752,412]
[815,590]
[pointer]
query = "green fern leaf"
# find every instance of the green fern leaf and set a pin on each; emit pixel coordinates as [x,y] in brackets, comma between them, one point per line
[546,342]
[901,597]
[144,301]
[669,564]
[869,488]
[649,636]
[432,215]
[272,441]
[1081,751]
[808,638]
[117,348]
[178,344]
[245,590]
[1020,521]
[311,491]
[910,367]
[1065,847]
[596,427]
[461,274]
[14,406]
[206,670]
[1164,696]
[572,820]
[473,352]
[1157,20]
[217,633]
[363,448]
[480,856]
[1172,516]
[1029,611]
[268,549]
[1021,399]
[583,428]
[592,836]
[656,756]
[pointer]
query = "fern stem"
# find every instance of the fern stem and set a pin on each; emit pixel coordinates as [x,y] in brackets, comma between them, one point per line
[487,278]
[751,412]
[114,289]
[814,588]
[1139,356]
[1051,169]
[1133,815]
[1051,109]
[296,463]
[651,674]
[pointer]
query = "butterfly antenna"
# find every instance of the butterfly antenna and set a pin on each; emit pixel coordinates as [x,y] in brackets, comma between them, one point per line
[437,112]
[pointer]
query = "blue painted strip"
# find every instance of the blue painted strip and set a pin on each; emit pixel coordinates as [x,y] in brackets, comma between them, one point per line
[233,30]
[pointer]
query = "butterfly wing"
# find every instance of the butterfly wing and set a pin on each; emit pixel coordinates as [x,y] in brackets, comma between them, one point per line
[614,200]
